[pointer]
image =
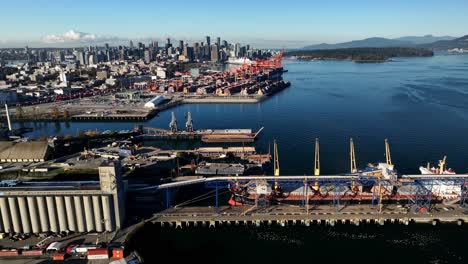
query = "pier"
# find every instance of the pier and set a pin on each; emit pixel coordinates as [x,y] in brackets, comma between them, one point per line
[294,215]
[420,205]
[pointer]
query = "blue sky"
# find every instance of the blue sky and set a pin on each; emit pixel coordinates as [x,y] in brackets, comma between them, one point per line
[276,23]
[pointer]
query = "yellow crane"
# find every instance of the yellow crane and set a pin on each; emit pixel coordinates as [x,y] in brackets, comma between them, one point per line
[317,158]
[317,163]
[442,165]
[276,167]
[352,156]
[388,157]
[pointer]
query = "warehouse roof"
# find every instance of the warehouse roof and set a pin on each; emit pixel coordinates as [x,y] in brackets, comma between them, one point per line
[32,150]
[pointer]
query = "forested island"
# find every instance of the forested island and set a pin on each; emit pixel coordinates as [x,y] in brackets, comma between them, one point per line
[360,54]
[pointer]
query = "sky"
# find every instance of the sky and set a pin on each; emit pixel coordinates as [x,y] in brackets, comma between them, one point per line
[285,23]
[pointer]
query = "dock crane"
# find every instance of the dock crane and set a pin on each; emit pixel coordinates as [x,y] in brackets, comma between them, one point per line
[276,167]
[317,164]
[317,158]
[388,157]
[173,124]
[352,156]
[189,123]
[442,165]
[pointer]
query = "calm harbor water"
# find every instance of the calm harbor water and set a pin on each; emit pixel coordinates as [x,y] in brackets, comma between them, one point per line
[419,104]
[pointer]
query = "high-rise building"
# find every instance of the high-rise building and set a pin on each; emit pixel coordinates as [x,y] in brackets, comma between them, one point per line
[147,57]
[81,57]
[131,44]
[181,45]
[214,53]
[237,49]
[188,52]
[218,41]
[225,44]
[208,43]
[107,46]
[196,50]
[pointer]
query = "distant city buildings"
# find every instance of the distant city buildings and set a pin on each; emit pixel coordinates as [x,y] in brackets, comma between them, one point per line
[32,73]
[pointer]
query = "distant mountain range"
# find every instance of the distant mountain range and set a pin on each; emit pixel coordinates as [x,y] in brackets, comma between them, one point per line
[461,43]
[428,41]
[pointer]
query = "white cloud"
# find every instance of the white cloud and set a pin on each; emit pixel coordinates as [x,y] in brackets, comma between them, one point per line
[74,36]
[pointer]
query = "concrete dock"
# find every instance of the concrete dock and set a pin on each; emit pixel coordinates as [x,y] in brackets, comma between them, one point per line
[320,215]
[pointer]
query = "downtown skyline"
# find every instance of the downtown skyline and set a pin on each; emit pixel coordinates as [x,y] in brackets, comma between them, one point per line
[274,24]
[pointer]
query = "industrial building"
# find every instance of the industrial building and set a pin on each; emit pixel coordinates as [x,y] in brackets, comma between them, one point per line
[32,151]
[79,206]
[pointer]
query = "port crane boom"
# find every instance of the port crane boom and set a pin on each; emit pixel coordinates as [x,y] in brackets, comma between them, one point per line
[352,156]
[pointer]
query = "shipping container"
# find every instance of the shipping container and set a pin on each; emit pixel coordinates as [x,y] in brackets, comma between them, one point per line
[58,256]
[117,253]
[8,252]
[32,252]
[98,253]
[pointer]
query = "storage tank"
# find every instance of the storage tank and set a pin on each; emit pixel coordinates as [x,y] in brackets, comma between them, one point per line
[97,205]
[61,213]
[15,217]
[33,214]
[5,212]
[2,230]
[89,213]
[43,217]
[51,212]
[70,213]
[80,224]
[107,213]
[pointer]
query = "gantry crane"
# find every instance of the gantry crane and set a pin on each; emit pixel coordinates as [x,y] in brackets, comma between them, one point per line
[388,157]
[317,158]
[173,124]
[189,123]
[352,156]
[276,167]
[317,164]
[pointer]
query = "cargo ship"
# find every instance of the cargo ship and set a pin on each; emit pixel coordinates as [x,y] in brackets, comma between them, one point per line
[205,135]
[391,189]
[230,136]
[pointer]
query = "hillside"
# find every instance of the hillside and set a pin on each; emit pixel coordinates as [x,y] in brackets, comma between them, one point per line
[364,43]
[360,54]
[461,43]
